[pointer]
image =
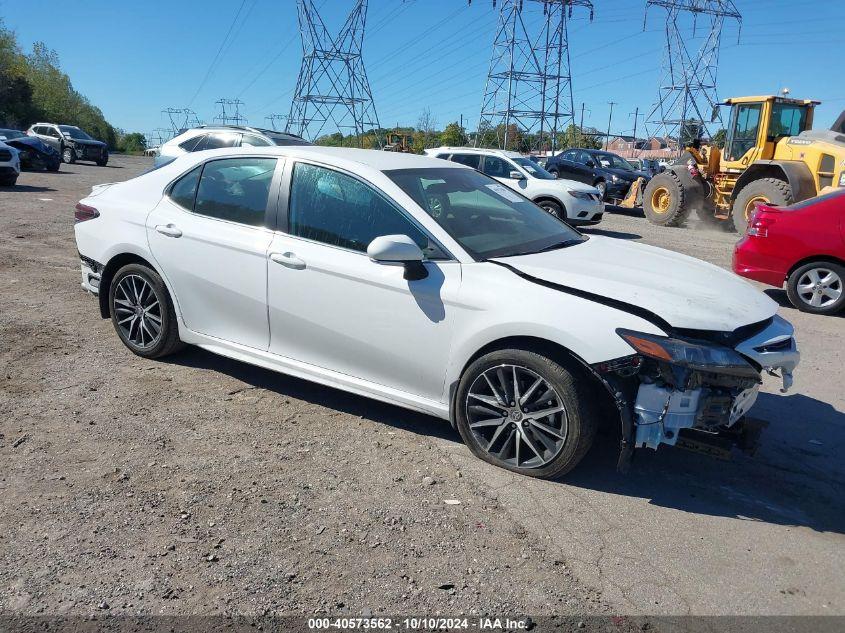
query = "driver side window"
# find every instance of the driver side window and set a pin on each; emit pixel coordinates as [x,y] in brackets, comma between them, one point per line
[335,209]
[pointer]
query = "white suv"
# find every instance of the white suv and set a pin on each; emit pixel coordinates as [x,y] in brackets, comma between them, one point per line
[575,202]
[10,165]
[207,137]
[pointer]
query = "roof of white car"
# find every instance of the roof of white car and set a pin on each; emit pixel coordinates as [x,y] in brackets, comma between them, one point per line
[375,159]
[475,150]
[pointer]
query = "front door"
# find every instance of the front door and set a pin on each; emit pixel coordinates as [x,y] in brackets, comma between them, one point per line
[332,307]
[210,238]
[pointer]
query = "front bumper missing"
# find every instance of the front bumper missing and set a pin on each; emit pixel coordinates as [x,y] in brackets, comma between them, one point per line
[661,403]
[712,402]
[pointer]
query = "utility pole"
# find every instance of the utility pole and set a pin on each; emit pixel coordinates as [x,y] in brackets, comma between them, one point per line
[636,114]
[609,121]
[580,137]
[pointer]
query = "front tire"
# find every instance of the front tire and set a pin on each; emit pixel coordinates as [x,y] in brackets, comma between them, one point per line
[522,411]
[665,201]
[766,190]
[817,287]
[142,312]
[9,182]
[553,208]
[68,155]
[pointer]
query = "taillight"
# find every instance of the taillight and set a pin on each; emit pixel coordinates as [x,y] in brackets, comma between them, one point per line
[759,225]
[84,212]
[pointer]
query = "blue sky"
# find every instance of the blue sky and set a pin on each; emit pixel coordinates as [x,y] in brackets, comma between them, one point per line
[133,58]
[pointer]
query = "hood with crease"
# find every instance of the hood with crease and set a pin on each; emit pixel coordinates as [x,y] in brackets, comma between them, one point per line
[684,291]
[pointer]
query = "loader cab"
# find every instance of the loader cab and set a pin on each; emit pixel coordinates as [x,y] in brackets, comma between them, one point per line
[757,124]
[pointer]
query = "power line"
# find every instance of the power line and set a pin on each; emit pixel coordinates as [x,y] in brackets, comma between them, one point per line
[217,55]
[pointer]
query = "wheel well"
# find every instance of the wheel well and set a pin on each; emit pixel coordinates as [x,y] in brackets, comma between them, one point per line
[113,265]
[550,349]
[540,199]
[815,258]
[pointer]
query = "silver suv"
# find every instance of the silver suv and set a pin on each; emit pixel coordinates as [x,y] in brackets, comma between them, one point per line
[205,137]
[71,142]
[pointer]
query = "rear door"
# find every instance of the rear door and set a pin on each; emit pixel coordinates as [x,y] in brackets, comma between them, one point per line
[210,236]
[51,136]
[566,165]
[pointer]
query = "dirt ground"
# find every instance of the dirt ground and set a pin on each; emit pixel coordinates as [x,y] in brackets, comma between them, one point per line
[204,485]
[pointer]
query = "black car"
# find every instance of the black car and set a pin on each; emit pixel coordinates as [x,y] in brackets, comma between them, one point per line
[34,153]
[612,175]
[71,142]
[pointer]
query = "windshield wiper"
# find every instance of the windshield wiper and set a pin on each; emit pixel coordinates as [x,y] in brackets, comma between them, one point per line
[554,247]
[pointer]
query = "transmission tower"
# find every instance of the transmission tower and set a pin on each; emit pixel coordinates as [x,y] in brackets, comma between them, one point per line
[529,85]
[230,112]
[332,89]
[181,119]
[272,118]
[687,95]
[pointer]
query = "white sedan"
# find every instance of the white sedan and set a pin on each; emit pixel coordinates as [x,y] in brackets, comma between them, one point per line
[422,283]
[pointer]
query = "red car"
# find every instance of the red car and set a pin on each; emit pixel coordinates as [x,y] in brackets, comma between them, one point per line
[802,245]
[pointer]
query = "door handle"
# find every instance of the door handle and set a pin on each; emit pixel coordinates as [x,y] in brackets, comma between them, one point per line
[170,230]
[288,260]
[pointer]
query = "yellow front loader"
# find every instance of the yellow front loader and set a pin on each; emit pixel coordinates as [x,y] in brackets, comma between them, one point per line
[771,155]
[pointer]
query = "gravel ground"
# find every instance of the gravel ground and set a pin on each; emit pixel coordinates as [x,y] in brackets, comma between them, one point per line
[203,485]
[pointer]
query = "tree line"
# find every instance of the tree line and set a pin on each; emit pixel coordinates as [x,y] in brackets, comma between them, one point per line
[33,88]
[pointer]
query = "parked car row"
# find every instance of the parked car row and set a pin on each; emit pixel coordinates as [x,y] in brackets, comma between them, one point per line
[44,146]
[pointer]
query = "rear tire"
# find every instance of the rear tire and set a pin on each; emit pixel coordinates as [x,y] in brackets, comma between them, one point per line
[142,312]
[601,185]
[546,446]
[830,280]
[665,201]
[9,182]
[767,190]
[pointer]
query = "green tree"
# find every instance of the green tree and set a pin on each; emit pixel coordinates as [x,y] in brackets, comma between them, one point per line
[719,138]
[133,142]
[574,136]
[454,136]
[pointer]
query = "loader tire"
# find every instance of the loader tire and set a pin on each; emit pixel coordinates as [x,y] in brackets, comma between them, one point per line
[767,190]
[665,201]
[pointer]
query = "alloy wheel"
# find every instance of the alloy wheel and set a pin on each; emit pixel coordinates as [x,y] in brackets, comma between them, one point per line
[138,311]
[516,416]
[820,287]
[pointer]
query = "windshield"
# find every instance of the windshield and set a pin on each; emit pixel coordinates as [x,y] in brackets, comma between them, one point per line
[74,132]
[533,168]
[612,161]
[484,216]
[10,134]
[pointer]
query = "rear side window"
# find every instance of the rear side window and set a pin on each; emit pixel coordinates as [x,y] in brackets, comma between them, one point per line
[218,141]
[184,190]
[236,189]
[471,160]
[191,144]
[255,141]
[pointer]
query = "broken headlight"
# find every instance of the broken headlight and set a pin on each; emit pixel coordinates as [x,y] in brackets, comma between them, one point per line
[690,354]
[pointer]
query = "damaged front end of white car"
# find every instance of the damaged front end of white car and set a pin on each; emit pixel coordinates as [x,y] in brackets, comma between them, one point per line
[695,387]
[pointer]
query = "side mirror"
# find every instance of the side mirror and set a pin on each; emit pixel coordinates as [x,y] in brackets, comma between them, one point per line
[399,249]
[714,115]
[590,163]
[516,175]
